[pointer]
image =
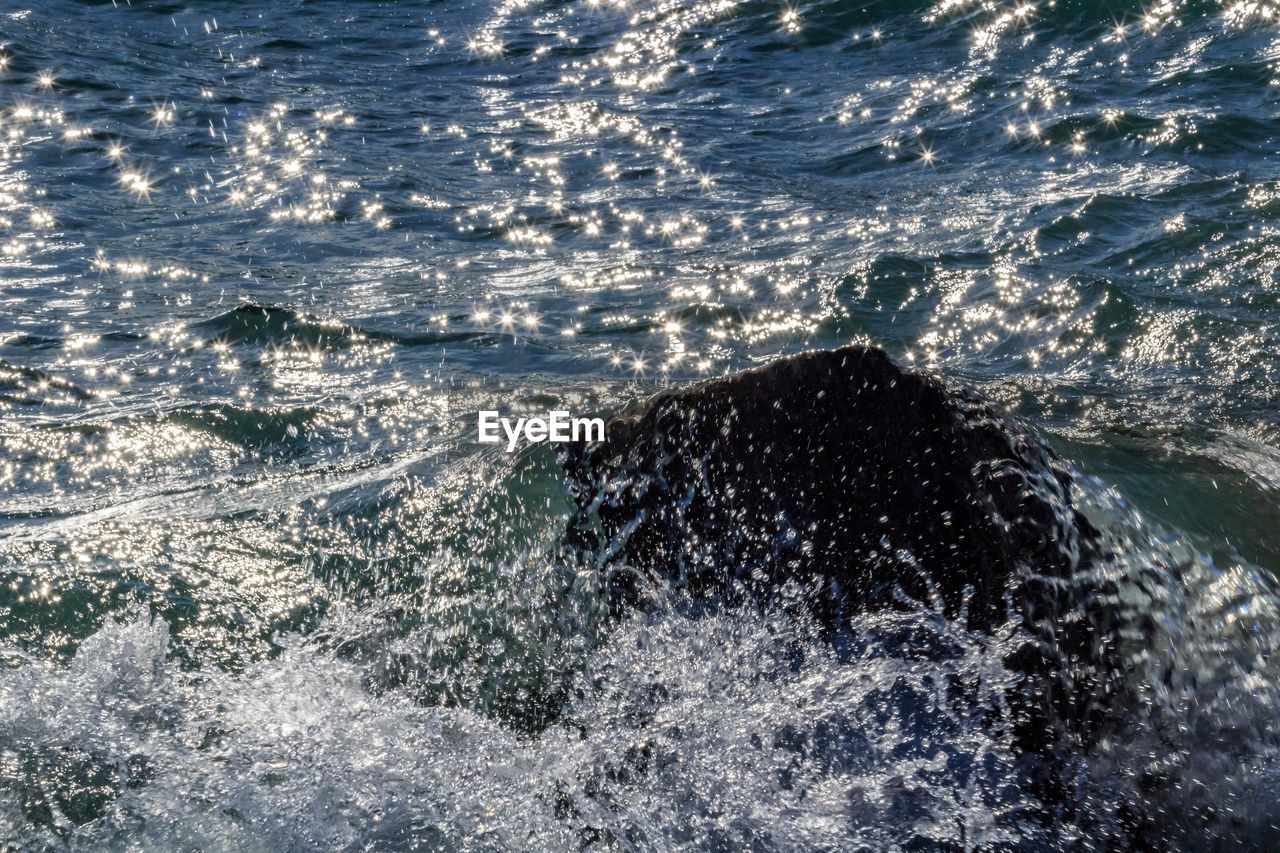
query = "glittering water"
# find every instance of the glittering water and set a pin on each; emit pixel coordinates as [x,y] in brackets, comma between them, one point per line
[259,588]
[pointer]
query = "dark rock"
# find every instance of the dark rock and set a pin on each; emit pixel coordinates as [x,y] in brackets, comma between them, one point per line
[860,481]
[835,466]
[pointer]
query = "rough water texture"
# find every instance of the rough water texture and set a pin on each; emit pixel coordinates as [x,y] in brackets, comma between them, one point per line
[260,266]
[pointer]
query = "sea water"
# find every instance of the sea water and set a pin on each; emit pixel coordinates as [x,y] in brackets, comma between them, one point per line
[262,265]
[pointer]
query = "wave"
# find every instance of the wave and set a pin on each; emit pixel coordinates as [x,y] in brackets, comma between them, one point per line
[463,689]
[32,386]
[267,325]
[682,728]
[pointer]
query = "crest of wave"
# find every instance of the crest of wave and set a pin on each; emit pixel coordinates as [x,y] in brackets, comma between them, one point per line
[684,727]
[716,731]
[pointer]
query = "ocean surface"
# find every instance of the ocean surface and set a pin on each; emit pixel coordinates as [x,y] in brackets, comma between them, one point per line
[262,263]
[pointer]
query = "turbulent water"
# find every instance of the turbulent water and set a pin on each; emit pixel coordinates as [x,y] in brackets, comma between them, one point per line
[262,264]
